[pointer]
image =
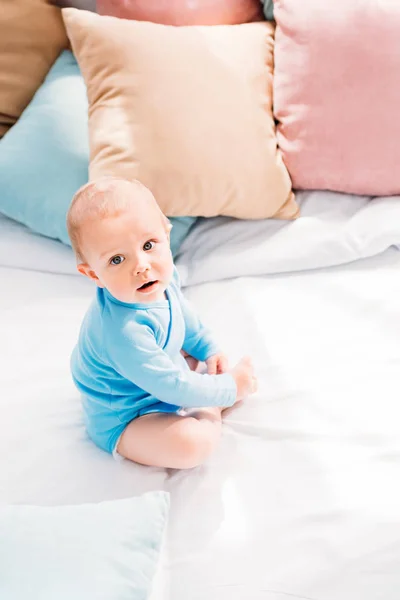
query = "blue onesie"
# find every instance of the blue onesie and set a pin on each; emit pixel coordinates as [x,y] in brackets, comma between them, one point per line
[128,363]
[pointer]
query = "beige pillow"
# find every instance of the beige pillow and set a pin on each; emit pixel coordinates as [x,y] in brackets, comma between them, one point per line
[32,35]
[187,111]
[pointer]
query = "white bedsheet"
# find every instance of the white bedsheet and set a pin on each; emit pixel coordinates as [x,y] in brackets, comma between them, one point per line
[334,229]
[302,499]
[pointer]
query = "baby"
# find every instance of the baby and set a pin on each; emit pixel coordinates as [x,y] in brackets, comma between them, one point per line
[139,338]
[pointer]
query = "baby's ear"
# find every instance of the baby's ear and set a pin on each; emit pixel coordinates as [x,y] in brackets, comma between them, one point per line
[85,270]
[168,226]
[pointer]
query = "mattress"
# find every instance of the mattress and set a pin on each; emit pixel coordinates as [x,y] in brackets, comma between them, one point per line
[302,498]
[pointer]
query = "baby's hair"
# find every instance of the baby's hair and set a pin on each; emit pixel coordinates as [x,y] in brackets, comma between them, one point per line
[105,197]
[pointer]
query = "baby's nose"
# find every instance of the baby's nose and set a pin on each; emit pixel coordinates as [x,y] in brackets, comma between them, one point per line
[142,268]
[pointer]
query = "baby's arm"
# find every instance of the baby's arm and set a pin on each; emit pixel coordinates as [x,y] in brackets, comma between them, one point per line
[198,341]
[143,362]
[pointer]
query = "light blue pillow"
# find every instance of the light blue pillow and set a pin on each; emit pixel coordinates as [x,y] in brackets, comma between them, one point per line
[99,551]
[268,9]
[44,158]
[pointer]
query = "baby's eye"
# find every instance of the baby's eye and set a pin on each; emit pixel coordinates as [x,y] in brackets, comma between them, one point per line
[148,246]
[117,260]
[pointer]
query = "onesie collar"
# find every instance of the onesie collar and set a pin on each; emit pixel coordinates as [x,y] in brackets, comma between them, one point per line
[138,305]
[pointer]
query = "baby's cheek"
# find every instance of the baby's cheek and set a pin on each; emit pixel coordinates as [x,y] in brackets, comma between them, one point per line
[168,271]
[122,283]
[113,281]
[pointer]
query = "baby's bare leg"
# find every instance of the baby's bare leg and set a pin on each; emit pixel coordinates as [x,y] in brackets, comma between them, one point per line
[172,441]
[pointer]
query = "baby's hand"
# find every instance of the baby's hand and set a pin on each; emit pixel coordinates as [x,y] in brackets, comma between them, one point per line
[246,382]
[217,364]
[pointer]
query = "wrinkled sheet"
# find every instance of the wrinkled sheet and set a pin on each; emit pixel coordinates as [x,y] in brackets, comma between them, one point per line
[334,229]
[302,498]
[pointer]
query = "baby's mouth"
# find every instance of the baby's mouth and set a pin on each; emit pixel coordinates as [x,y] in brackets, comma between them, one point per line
[148,286]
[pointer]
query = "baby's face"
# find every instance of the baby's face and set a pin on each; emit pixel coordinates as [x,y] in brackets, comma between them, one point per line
[129,255]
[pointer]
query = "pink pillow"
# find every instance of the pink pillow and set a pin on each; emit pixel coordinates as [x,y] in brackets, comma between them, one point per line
[184,12]
[337,94]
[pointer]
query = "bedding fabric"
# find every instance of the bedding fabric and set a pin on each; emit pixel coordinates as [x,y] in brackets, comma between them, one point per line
[32,36]
[183,12]
[302,498]
[337,93]
[81,4]
[334,229]
[268,9]
[44,159]
[187,110]
[100,551]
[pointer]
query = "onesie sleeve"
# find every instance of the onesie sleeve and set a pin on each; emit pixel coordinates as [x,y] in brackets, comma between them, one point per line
[139,358]
[198,340]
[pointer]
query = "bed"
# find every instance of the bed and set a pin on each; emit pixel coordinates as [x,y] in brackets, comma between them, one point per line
[302,498]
